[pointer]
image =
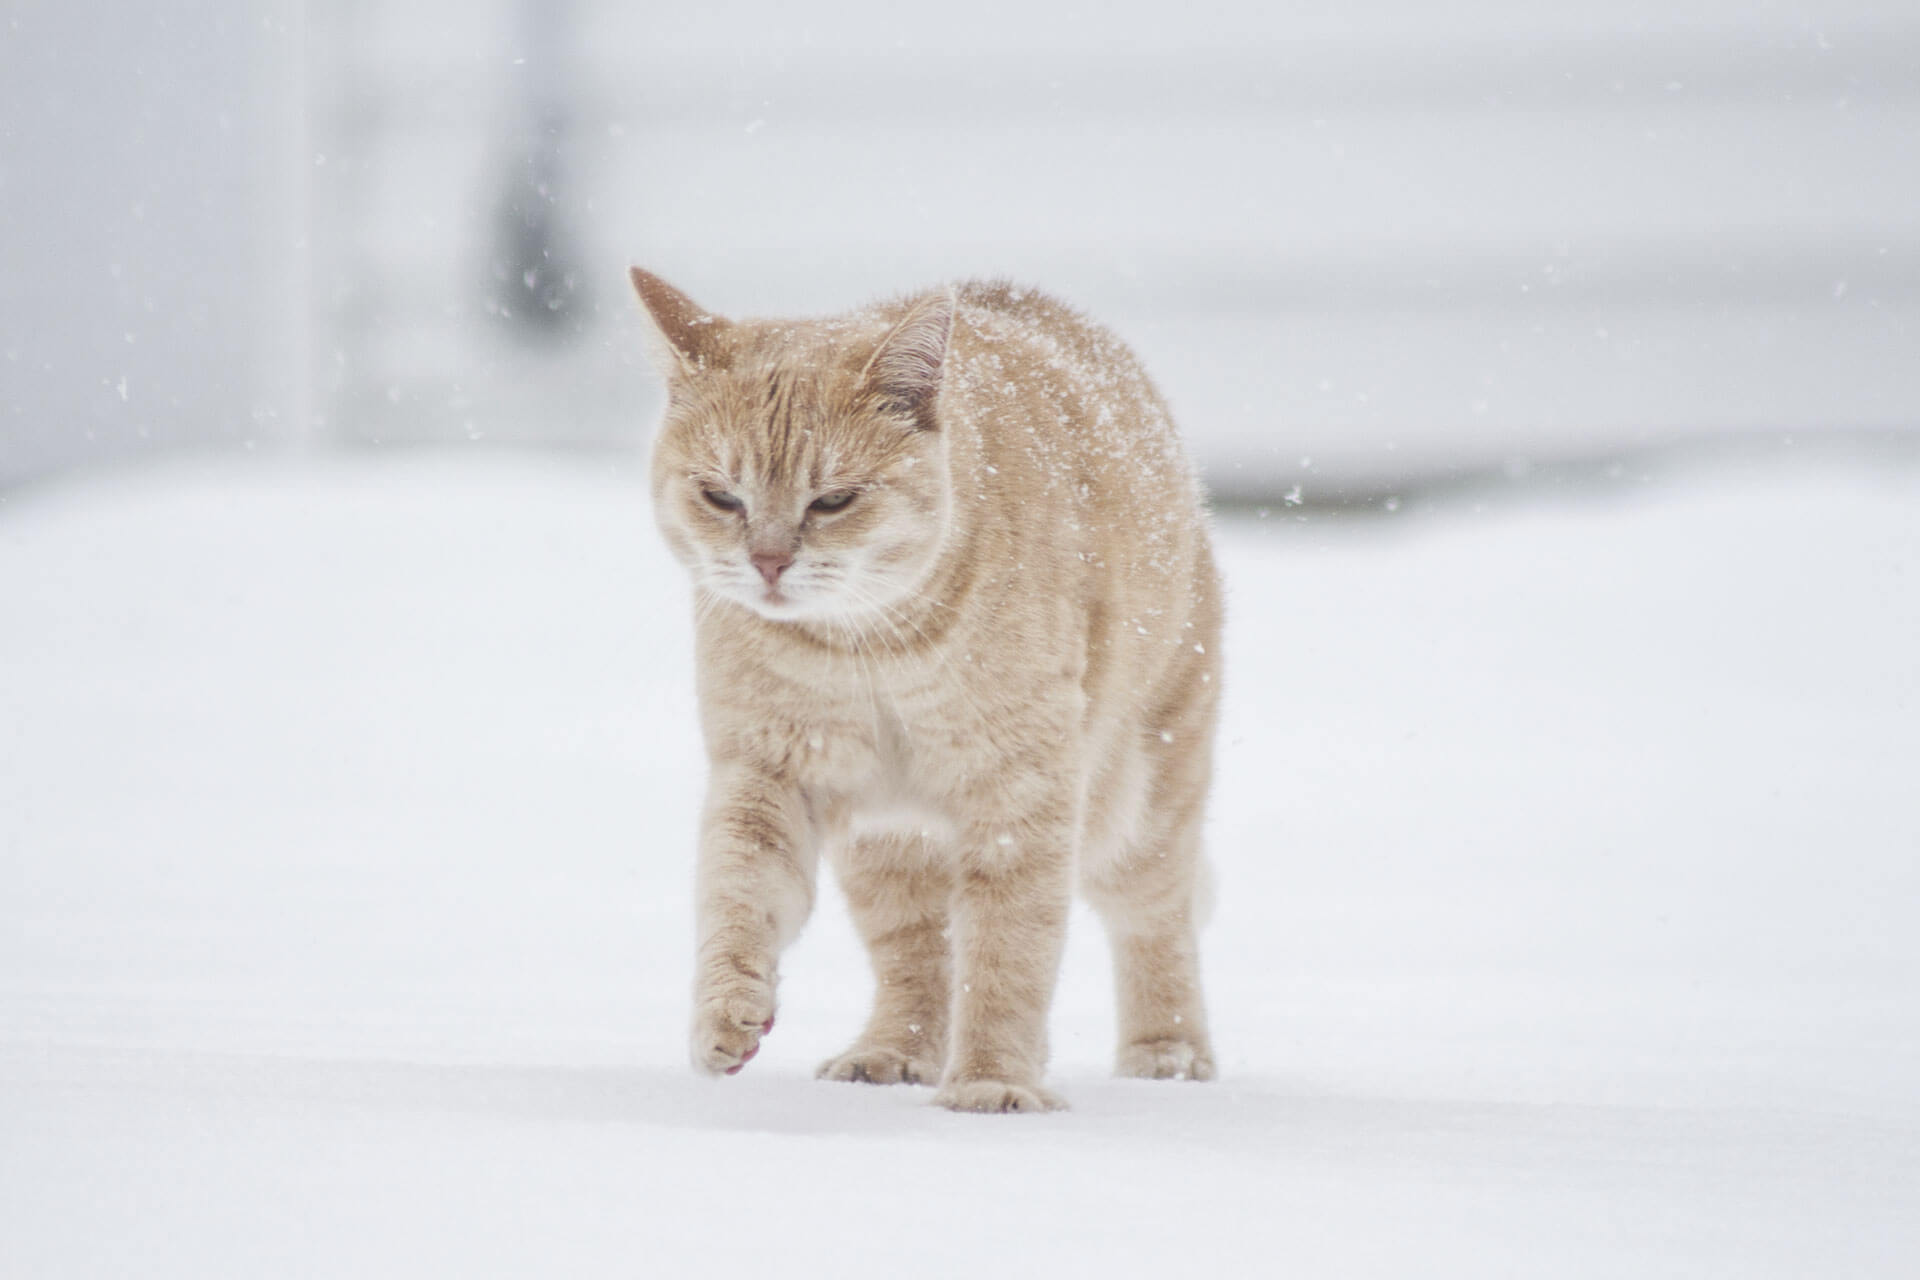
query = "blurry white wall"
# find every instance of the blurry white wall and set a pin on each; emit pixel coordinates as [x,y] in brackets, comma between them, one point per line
[153,248]
[1403,241]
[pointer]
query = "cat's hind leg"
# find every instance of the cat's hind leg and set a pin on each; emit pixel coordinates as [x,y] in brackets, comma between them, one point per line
[1151,894]
[898,891]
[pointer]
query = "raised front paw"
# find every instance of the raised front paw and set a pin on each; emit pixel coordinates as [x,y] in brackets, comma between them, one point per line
[1165,1059]
[729,1017]
[875,1064]
[996,1096]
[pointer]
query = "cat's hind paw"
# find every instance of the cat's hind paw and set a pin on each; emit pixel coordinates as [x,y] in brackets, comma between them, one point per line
[997,1097]
[873,1064]
[1165,1060]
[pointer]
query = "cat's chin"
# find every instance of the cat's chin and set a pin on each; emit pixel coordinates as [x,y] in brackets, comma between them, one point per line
[782,607]
[821,610]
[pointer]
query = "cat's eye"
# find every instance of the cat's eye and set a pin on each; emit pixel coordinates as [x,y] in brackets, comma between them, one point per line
[831,501]
[721,500]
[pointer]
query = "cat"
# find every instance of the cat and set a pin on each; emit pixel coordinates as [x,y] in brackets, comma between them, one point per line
[957,630]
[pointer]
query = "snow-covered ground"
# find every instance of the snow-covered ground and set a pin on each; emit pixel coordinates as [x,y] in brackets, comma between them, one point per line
[1569,925]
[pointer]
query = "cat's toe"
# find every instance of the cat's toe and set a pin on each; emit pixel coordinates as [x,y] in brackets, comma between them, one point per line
[997,1097]
[873,1064]
[1165,1059]
[728,1026]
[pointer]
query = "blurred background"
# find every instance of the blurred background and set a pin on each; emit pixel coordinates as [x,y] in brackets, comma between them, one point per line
[1557,368]
[1365,247]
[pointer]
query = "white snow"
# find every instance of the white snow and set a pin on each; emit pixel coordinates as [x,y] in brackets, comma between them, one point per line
[1569,912]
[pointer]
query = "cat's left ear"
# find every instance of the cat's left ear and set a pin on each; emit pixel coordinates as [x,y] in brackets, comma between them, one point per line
[687,337]
[906,368]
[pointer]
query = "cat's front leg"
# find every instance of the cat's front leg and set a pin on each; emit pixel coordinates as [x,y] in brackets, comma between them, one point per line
[754,890]
[1009,927]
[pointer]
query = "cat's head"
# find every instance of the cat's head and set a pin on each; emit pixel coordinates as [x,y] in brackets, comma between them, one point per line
[800,470]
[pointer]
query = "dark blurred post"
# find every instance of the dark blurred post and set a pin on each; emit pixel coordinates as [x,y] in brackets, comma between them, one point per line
[536,276]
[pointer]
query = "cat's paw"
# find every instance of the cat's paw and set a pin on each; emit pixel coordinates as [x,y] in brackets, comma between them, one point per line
[1165,1060]
[874,1064]
[728,1022]
[997,1096]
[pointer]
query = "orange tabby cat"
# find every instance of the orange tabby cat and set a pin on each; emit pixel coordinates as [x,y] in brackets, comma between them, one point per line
[958,629]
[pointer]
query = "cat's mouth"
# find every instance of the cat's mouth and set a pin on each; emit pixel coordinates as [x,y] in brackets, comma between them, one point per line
[776,602]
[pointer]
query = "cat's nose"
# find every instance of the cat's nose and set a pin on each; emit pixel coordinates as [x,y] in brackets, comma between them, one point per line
[771,565]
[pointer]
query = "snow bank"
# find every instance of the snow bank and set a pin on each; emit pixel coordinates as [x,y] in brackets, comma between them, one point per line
[1570,913]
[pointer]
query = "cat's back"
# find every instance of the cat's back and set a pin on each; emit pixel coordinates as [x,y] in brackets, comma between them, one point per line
[1065,400]
[1068,423]
[1074,465]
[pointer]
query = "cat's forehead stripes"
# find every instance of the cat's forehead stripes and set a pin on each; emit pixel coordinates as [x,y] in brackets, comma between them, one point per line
[786,409]
[789,415]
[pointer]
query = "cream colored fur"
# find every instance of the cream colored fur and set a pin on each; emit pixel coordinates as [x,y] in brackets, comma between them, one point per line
[989,675]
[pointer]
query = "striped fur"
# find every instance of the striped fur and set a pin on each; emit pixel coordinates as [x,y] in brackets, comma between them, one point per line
[957,632]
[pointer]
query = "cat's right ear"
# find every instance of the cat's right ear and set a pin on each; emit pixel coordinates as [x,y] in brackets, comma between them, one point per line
[686,337]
